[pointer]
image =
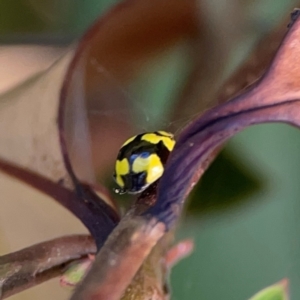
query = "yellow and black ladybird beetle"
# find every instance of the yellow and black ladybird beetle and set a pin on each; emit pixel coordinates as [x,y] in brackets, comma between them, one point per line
[141,160]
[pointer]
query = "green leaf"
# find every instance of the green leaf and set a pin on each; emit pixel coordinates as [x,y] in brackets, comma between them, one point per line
[75,273]
[228,182]
[277,291]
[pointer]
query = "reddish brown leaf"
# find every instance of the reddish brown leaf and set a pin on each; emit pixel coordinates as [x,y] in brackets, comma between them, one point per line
[114,44]
[113,53]
[186,165]
[274,98]
[29,134]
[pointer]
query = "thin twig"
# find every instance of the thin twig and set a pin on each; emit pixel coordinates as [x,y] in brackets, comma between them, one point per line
[33,265]
[99,217]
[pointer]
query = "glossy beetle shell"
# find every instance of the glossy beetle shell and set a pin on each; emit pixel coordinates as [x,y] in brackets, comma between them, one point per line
[141,160]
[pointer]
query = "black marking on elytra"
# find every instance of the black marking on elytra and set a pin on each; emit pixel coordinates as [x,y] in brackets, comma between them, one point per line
[137,146]
[134,182]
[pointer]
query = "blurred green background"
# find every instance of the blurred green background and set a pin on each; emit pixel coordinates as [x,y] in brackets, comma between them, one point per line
[245,213]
